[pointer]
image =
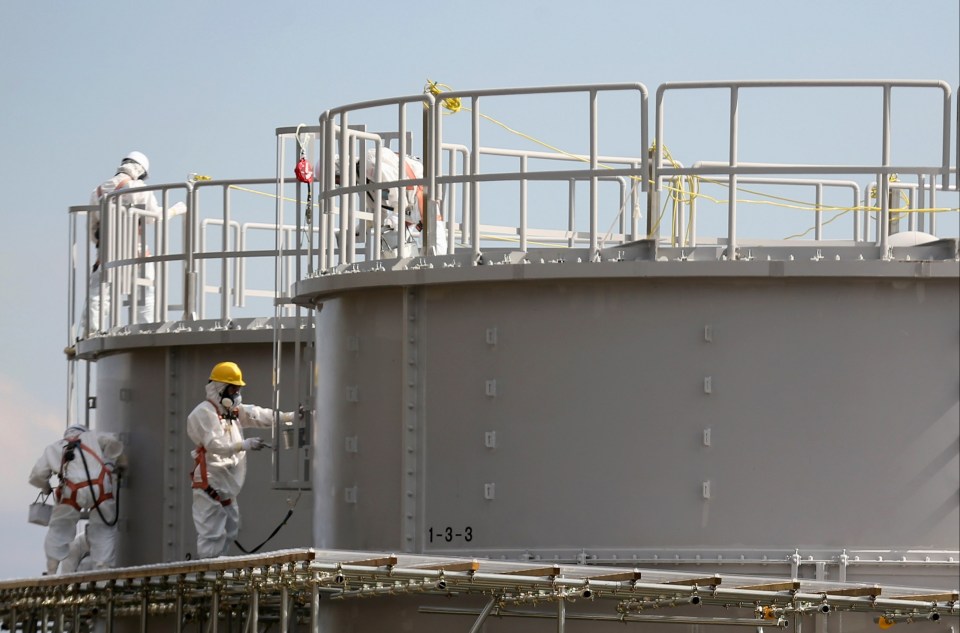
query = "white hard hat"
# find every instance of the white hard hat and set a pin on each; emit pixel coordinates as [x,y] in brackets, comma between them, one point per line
[140,159]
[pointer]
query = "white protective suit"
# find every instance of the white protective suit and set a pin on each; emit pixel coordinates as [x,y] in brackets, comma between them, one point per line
[136,200]
[220,467]
[413,205]
[78,557]
[77,491]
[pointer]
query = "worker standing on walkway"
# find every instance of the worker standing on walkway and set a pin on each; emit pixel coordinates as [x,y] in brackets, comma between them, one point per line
[220,456]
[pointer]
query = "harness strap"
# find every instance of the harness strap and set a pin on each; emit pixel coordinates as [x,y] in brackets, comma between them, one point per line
[418,189]
[419,193]
[74,487]
[203,483]
[200,467]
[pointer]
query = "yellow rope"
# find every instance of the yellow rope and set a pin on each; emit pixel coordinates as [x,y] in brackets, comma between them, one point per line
[261,193]
[452,105]
[689,188]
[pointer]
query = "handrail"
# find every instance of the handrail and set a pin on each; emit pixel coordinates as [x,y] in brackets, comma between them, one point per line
[121,257]
[592,90]
[883,170]
[451,168]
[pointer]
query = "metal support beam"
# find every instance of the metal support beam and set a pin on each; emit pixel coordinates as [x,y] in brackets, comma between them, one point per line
[284,609]
[483,615]
[315,604]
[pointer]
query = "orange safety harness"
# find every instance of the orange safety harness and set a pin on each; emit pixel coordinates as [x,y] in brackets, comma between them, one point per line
[200,466]
[419,193]
[73,488]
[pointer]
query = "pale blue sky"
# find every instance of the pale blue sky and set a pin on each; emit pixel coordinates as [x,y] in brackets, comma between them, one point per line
[200,87]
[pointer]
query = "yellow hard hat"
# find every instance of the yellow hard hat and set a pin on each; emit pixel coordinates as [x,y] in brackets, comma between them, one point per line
[227,372]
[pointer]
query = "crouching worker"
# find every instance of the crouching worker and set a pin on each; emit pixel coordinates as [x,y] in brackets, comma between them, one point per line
[84,464]
[410,203]
[220,456]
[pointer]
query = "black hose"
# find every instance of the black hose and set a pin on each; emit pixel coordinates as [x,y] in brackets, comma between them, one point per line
[96,504]
[272,534]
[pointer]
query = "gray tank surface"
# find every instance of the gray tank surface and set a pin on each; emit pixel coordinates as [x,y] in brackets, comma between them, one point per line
[641,409]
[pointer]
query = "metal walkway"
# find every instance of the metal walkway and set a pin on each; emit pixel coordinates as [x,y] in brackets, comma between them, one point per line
[286,587]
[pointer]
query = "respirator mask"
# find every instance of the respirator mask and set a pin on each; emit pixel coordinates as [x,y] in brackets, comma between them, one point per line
[70,449]
[230,399]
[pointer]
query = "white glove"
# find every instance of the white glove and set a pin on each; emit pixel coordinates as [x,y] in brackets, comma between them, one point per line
[177,209]
[252,444]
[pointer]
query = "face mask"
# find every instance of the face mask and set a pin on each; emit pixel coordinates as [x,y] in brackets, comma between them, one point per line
[229,401]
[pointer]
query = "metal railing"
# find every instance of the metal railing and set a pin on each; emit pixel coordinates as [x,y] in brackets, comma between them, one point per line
[733,169]
[225,249]
[336,139]
[458,166]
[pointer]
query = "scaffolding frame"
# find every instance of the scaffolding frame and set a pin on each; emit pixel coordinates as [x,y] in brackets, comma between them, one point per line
[286,587]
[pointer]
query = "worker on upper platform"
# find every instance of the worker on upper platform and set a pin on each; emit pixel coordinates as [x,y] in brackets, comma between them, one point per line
[84,461]
[131,174]
[220,456]
[412,204]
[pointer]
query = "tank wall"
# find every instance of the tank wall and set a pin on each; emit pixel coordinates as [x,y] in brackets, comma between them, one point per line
[830,407]
[360,414]
[146,395]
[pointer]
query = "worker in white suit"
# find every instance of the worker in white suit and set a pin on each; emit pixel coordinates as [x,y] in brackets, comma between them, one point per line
[85,463]
[133,170]
[220,456]
[408,202]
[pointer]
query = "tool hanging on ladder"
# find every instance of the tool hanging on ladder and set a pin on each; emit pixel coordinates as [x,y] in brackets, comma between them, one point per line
[304,173]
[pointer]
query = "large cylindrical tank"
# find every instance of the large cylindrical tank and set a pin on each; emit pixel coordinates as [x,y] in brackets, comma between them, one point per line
[653,412]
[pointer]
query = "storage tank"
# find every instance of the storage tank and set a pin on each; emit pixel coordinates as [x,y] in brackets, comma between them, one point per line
[640,408]
[670,400]
[550,371]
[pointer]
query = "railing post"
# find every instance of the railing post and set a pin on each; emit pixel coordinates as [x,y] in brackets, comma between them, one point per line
[190,240]
[594,253]
[346,169]
[523,204]
[403,249]
[818,214]
[653,197]
[732,179]
[884,178]
[475,185]
[224,268]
